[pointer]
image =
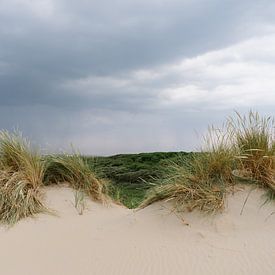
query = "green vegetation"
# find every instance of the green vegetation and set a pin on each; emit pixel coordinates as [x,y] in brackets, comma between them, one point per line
[131,168]
[130,174]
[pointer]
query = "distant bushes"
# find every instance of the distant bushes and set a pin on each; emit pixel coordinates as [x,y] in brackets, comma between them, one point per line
[129,174]
[132,168]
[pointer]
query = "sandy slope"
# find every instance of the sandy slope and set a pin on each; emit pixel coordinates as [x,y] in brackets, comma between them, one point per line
[115,240]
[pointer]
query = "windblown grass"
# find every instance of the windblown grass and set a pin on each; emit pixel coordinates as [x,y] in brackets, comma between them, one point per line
[217,158]
[23,172]
[21,175]
[73,169]
[243,149]
[254,140]
[188,187]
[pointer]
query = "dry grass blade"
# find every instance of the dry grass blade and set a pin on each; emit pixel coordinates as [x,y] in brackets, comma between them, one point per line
[218,155]
[74,170]
[21,175]
[79,202]
[254,140]
[241,150]
[189,188]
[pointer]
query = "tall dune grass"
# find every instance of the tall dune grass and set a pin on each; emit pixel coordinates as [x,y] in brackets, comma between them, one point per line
[254,140]
[218,159]
[190,186]
[21,175]
[73,169]
[200,182]
[23,172]
[242,149]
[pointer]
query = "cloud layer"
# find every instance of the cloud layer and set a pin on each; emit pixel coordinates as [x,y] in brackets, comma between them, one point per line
[132,76]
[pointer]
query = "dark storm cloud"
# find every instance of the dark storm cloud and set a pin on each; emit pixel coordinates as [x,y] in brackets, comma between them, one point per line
[64,64]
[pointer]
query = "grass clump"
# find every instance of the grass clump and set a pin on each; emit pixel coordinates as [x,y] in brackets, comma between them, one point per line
[73,169]
[254,140]
[21,175]
[217,158]
[244,149]
[196,184]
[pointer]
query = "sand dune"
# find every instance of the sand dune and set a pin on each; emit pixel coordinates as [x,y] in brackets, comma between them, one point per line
[115,240]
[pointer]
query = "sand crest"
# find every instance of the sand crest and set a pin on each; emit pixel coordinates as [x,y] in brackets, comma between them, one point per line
[116,240]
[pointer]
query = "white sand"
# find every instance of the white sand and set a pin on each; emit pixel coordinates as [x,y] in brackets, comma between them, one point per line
[115,240]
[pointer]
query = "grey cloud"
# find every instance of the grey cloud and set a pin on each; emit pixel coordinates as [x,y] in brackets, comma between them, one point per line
[48,47]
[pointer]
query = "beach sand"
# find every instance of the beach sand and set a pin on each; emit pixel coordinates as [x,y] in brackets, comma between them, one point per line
[116,240]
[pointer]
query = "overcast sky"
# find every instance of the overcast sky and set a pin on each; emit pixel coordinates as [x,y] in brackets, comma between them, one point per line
[132,76]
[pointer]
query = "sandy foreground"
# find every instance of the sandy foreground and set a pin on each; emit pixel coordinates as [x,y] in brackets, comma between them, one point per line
[115,240]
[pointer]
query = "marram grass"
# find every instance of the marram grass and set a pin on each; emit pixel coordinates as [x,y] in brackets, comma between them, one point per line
[244,149]
[21,175]
[190,185]
[23,172]
[254,139]
[73,169]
